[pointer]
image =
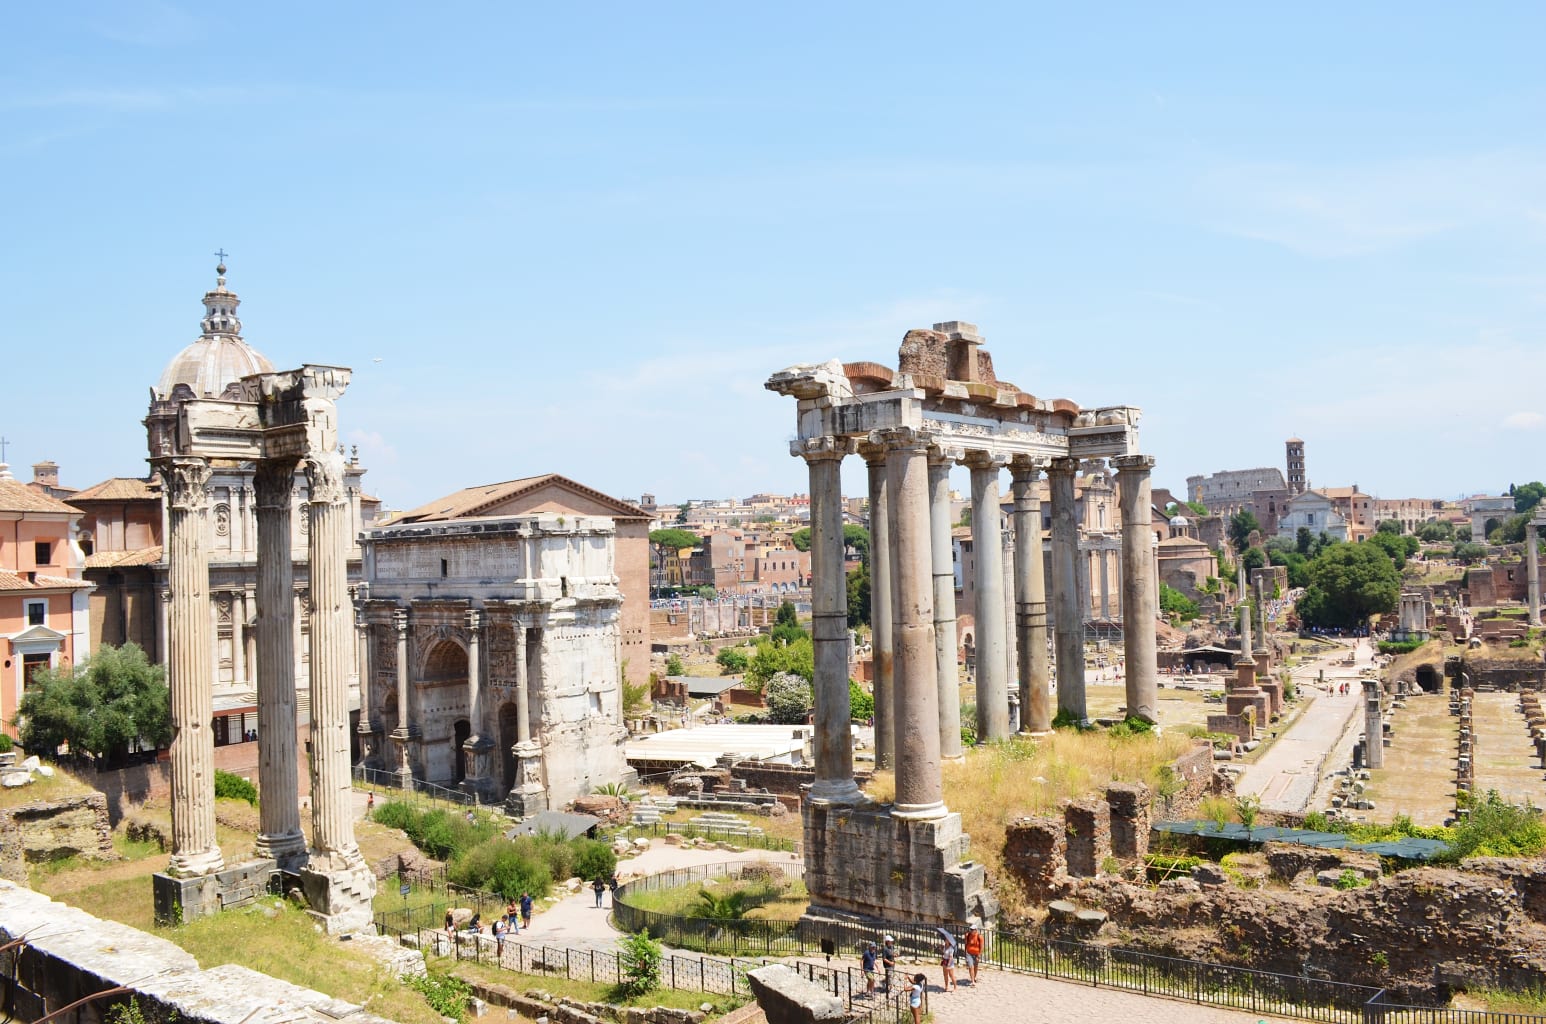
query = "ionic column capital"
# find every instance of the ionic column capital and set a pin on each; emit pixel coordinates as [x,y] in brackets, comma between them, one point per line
[945,455]
[1027,467]
[1134,464]
[979,459]
[828,446]
[892,439]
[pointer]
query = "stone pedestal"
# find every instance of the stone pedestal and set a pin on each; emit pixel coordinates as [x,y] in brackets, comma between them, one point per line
[179,900]
[529,795]
[339,893]
[864,864]
[401,748]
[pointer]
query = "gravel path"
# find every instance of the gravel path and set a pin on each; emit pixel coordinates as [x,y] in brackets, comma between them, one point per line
[1003,997]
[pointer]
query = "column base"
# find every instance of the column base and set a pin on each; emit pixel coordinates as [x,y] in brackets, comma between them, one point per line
[523,802]
[479,782]
[1037,734]
[835,792]
[870,863]
[920,812]
[339,888]
[192,865]
[180,900]
[286,849]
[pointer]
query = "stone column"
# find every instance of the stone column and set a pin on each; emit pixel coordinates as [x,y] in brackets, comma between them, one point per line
[1373,723]
[1030,600]
[338,883]
[528,795]
[402,734]
[190,676]
[366,676]
[880,606]
[988,547]
[1533,570]
[1138,605]
[279,815]
[919,789]
[1068,617]
[948,675]
[478,748]
[1105,586]
[834,781]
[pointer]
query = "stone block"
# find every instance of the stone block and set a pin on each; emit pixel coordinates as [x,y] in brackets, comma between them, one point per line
[1129,803]
[786,998]
[1035,854]
[1087,824]
[180,900]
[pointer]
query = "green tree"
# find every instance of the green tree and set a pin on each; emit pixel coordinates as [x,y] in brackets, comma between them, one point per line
[638,960]
[732,661]
[1241,525]
[1198,508]
[1527,496]
[1303,539]
[1176,605]
[801,539]
[1436,532]
[859,597]
[858,538]
[861,705]
[1348,584]
[1469,553]
[772,657]
[786,624]
[1253,559]
[1389,526]
[1512,531]
[681,513]
[100,707]
[674,666]
[1392,544]
[789,698]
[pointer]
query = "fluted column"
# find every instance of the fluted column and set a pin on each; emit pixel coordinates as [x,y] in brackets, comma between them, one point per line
[1105,585]
[522,694]
[332,818]
[834,782]
[919,788]
[1068,624]
[992,647]
[1139,608]
[195,850]
[279,815]
[402,733]
[1030,600]
[880,606]
[478,747]
[366,674]
[947,674]
[1533,570]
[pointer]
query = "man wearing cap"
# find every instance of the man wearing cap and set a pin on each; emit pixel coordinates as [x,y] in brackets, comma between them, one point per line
[972,949]
[888,960]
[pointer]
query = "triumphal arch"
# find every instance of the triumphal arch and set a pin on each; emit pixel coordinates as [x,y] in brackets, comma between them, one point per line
[940,407]
[277,422]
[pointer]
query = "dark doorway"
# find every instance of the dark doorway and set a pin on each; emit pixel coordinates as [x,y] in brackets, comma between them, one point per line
[1428,679]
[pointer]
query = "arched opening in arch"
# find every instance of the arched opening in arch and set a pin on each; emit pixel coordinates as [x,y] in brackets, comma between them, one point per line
[1487,528]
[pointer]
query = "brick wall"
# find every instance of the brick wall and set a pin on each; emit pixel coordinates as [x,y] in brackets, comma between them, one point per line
[1035,853]
[1087,824]
[1129,803]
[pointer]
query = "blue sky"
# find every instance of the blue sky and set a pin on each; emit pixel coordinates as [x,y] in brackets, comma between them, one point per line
[577,238]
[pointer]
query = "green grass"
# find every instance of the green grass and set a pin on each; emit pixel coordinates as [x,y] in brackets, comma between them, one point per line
[769,901]
[594,992]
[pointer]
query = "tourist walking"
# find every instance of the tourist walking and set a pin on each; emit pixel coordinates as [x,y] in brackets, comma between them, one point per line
[888,961]
[867,960]
[525,910]
[947,961]
[972,948]
[370,806]
[600,887]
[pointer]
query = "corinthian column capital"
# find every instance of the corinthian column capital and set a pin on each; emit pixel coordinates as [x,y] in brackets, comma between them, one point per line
[325,477]
[827,446]
[274,483]
[895,438]
[1133,463]
[979,459]
[185,479]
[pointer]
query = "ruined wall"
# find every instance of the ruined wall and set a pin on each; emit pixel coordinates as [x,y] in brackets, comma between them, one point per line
[1415,933]
[47,831]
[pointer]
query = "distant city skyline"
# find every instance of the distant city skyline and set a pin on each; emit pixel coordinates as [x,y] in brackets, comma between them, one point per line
[578,241]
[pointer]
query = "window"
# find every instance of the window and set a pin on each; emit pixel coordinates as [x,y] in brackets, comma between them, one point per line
[42,552]
[37,613]
[31,665]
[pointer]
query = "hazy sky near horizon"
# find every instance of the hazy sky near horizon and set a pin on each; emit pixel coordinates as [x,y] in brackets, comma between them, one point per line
[578,238]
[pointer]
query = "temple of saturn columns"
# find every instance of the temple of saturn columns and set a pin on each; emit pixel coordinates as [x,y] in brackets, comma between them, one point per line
[275,421]
[943,406]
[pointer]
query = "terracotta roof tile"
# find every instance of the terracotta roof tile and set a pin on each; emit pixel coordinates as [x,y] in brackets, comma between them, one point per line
[121,488]
[18,581]
[18,497]
[123,559]
[475,501]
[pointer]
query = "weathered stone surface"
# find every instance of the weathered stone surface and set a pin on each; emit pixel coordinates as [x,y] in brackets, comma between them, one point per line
[1088,824]
[1034,855]
[786,998]
[608,808]
[1129,803]
[47,830]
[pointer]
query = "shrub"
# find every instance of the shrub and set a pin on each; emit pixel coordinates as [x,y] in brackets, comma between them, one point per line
[234,787]
[446,994]
[1399,646]
[639,958]
[1350,879]
[1161,866]
[501,866]
[394,814]
[1131,726]
[789,698]
[674,666]
[1497,828]
[594,859]
[861,705]
[6,743]
[731,661]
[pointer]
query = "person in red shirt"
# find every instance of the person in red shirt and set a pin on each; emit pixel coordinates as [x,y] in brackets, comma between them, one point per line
[971,947]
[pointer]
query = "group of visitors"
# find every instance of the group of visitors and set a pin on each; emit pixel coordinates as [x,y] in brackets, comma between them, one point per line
[517,915]
[882,962]
[599,887]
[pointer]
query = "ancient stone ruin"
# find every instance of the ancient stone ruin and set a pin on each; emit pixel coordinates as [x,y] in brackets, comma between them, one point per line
[943,406]
[275,421]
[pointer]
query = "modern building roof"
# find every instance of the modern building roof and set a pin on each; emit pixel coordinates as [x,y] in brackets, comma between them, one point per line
[566,823]
[705,744]
[18,497]
[121,488]
[482,499]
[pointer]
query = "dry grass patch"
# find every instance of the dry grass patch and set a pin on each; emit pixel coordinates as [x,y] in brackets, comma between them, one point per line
[1003,781]
[585,991]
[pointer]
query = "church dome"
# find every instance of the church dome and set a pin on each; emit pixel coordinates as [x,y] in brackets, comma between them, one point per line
[219,357]
[1180,522]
